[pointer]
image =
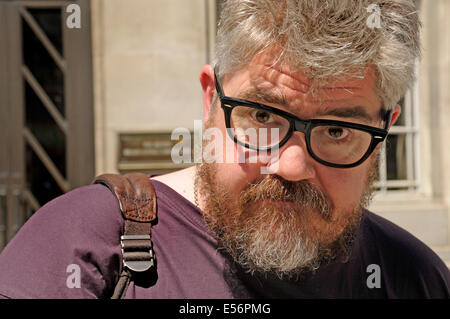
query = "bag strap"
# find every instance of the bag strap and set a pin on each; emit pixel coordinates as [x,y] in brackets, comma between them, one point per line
[137,201]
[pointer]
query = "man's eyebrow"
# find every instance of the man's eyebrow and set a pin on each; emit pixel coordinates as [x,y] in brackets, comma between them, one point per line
[256,94]
[356,112]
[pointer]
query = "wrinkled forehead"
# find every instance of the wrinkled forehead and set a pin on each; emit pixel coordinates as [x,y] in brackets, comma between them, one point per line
[269,80]
[266,67]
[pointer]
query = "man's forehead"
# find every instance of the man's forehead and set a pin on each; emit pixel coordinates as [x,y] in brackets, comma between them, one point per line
[279,84]
[268,63]
[298,80]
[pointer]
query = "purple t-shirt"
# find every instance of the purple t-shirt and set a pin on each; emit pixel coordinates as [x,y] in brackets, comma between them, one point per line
[78,234]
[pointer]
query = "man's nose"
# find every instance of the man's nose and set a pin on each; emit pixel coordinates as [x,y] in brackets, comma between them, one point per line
[293,162]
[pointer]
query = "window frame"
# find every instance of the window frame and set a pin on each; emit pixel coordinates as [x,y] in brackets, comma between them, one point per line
[411,129]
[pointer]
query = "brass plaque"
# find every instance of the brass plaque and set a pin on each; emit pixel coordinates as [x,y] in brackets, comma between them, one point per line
[147,152]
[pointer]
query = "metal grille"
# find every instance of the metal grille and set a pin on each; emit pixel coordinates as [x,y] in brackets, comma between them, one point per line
[46,127]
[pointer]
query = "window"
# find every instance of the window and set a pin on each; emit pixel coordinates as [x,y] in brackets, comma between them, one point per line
[46,108]
[399,156]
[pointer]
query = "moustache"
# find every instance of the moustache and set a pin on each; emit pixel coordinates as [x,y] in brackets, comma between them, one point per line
[302,193]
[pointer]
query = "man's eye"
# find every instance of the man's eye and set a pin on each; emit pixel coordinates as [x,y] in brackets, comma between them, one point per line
[336,133]
[262,116]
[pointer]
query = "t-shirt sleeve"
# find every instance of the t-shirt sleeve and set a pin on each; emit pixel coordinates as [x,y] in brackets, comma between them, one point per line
[411,269]
[70,248]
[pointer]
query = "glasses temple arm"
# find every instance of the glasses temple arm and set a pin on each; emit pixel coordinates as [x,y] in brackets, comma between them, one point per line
[218,86]
[388,119]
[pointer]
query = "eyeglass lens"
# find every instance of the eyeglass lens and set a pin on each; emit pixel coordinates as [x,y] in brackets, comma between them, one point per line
[261,129]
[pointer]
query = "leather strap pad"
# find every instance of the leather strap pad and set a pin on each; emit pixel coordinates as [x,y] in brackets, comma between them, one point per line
[135,193]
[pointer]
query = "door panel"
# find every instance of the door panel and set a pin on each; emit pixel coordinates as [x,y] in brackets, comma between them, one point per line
[46,105]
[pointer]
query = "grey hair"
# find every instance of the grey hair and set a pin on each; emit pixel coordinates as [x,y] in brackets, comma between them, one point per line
[326,39]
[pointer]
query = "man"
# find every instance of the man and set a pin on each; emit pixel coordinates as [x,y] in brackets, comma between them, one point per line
[317,85]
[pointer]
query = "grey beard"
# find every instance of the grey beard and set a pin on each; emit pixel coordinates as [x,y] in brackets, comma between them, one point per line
[280,240]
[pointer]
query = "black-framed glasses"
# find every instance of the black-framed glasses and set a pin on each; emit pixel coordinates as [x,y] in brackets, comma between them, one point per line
[332,143]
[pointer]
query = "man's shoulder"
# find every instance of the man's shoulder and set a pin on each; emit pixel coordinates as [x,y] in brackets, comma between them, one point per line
[81,228]
[85,204]
[386,232]
[392,238]
[403,255]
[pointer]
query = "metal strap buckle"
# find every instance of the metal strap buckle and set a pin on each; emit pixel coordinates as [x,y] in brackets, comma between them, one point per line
[137,252]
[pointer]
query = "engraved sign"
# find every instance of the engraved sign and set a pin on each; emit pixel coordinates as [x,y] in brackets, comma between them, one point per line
[147,152]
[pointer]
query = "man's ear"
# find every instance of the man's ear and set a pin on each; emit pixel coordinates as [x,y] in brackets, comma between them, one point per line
[395,115]
[208,83]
